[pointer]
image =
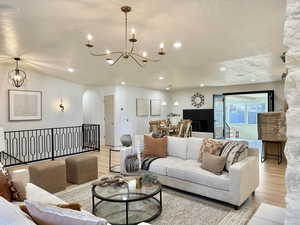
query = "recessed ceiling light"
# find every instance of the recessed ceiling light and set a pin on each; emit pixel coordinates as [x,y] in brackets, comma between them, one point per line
[177,44]
[71,70]
[223,68]
[123,83]
[253,80]
[201,85]
[161,78]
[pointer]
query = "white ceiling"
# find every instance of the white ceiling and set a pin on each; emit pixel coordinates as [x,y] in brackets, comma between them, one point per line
[244,36]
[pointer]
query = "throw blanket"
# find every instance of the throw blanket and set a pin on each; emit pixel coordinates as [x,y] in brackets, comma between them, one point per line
[146,162]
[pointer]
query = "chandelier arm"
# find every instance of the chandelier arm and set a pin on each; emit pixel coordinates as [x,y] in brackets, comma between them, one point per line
[149,59]
[136,61]
[104,54]
[121,55]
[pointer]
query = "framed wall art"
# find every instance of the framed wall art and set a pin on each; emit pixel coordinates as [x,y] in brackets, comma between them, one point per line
[155,107]
[142,107]
[24,105]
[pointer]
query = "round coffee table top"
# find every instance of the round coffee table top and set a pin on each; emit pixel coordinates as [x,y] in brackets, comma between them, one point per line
[126,193]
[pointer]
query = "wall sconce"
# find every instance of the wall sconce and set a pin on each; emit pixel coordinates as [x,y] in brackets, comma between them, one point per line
[61,105]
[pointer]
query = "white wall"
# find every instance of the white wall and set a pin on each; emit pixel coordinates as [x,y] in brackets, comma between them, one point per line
[126,100]
[126,121]
[93,106]
[184,96]
[52,90]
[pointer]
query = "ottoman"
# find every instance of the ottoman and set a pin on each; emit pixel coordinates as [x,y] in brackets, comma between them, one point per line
[50,176]
[81,169]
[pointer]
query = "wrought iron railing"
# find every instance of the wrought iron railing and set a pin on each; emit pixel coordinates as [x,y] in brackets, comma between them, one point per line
[25,146]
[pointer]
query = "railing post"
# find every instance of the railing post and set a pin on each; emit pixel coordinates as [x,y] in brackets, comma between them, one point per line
[82,136]
[52,143]
[99,137]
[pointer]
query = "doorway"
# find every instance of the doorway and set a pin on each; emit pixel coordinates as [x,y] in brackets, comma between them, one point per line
[236,113]
[109,119]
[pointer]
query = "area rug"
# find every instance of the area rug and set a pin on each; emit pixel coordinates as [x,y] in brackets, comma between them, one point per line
[178,208]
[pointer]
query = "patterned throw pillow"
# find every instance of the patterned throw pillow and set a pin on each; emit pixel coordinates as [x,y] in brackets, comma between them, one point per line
[14,194]
[211,146]
[234,152]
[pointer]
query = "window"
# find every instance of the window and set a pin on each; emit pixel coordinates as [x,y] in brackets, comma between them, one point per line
[253,109]
[237,113]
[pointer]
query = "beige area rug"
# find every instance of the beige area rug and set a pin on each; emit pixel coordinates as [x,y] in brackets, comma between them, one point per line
[178,208]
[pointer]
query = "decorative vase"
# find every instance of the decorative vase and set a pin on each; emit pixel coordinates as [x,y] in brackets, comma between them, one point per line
[126,140]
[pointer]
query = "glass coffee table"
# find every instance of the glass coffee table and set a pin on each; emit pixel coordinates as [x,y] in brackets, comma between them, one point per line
[129,205]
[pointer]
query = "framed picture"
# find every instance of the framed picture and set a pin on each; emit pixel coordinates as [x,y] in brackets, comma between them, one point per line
[155,107]
[24,105]
[142,107]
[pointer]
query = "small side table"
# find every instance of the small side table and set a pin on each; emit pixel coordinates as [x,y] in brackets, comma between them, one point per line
[117,167]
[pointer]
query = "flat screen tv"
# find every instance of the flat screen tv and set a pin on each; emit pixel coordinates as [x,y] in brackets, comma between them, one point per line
[202,119]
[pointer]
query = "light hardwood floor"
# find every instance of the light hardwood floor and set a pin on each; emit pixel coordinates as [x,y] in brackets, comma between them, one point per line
[272,183]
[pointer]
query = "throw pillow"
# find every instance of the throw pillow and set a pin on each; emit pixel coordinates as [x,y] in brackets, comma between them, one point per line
[5,180]
[5,187]
[156,147]
[213,163]
[211,146]
[73,206]
[234,152]
[44,214]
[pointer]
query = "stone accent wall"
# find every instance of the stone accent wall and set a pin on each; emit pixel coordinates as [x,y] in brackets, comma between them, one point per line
[292,94]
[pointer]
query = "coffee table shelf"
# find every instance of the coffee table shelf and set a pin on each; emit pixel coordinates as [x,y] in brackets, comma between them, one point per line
[127,205]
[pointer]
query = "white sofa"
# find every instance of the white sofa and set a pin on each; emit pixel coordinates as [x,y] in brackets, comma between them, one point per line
[181,170]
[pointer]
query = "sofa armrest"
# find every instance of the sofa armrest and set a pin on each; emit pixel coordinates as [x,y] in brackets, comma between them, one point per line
[244,179]
[35,193]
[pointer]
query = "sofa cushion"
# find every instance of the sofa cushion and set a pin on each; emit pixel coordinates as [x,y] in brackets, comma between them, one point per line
[156,147]
[189,170]
[177,147]
[12,215]
[159,166]
[193,147]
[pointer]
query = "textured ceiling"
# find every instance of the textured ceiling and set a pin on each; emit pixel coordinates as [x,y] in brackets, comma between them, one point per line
[244,36]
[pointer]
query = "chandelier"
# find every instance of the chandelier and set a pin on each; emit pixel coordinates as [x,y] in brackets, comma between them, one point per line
[17,76]
[127,53]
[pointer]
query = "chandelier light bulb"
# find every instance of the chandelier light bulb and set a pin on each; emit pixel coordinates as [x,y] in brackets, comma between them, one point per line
[162,45]
[132,31]
[107,52]
[144,54]
[17,77]
[89,37]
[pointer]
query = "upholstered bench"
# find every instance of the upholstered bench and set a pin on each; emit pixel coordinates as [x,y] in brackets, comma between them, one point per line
[81,169]
[50,176]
